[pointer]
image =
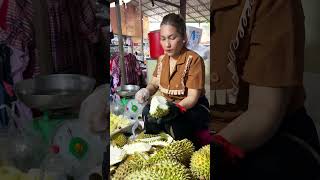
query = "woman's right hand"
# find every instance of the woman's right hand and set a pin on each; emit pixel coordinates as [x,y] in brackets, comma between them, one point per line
[142,95]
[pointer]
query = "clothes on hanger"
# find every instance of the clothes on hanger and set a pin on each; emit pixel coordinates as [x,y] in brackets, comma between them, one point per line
[133,70]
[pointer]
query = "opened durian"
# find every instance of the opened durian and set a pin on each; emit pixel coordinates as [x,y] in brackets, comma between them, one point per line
[180,151]
[133,163]
[167,169]
[161,139]
[144,136]
[119,140]
[158,107]
[200,163]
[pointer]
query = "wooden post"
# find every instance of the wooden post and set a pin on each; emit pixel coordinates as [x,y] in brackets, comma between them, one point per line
[141,25]
[42,38]
[122,63]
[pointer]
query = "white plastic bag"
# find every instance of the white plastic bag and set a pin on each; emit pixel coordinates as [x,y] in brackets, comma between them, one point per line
[94,110]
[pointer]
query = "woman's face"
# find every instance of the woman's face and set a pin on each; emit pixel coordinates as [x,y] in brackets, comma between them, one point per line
[170,40]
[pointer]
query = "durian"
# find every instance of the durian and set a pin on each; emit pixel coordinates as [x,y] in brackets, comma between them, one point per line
[133,163]
[161,139]
[118,122]
[144,136]
[167,169]
[137,147]
[119,140]
[144,175]
[180,151]
[158,107]
[200,163]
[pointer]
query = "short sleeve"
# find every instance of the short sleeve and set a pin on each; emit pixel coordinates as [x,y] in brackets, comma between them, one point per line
[196,74]
[155,71]
[276,52]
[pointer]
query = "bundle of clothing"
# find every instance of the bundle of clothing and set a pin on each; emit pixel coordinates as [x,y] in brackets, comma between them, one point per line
[133,70]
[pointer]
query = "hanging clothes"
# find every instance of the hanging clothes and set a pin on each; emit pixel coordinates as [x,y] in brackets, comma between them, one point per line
[18,22]
[132,68]
[73,31]
[18,32]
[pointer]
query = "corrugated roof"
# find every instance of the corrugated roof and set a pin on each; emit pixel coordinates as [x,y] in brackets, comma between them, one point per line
[197,11]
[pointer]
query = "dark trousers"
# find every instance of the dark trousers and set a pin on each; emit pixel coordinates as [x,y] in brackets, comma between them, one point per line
[293,153]
[184,126]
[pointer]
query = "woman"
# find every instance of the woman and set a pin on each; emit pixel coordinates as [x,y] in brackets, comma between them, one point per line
[256,78]
[179,75]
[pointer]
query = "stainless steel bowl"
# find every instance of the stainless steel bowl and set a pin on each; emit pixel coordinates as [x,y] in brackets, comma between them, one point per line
[127,90]
[55,91]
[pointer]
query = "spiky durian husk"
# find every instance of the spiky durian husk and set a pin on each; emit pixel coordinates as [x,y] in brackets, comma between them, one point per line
[167,169]
[200,163]
[143,175]
[131,164]
[119,140]
[180,151]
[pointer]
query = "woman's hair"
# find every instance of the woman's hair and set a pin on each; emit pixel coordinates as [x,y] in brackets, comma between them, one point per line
[176,21]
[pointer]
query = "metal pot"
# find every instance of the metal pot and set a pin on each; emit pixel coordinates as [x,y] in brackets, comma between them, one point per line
[55,91]
[127,90]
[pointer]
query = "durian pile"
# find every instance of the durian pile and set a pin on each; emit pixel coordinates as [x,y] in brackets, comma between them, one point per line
[118,122]
[157,157]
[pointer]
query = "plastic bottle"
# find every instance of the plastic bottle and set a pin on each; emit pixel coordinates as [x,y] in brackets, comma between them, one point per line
[53,167]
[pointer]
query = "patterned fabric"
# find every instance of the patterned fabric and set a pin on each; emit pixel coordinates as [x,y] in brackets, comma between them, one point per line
[72,33]
[18,32]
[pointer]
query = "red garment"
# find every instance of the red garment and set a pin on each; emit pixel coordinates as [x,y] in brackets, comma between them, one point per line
[8,88]
[232,151]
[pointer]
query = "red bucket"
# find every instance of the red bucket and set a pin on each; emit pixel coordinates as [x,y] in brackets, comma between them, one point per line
[154,43]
